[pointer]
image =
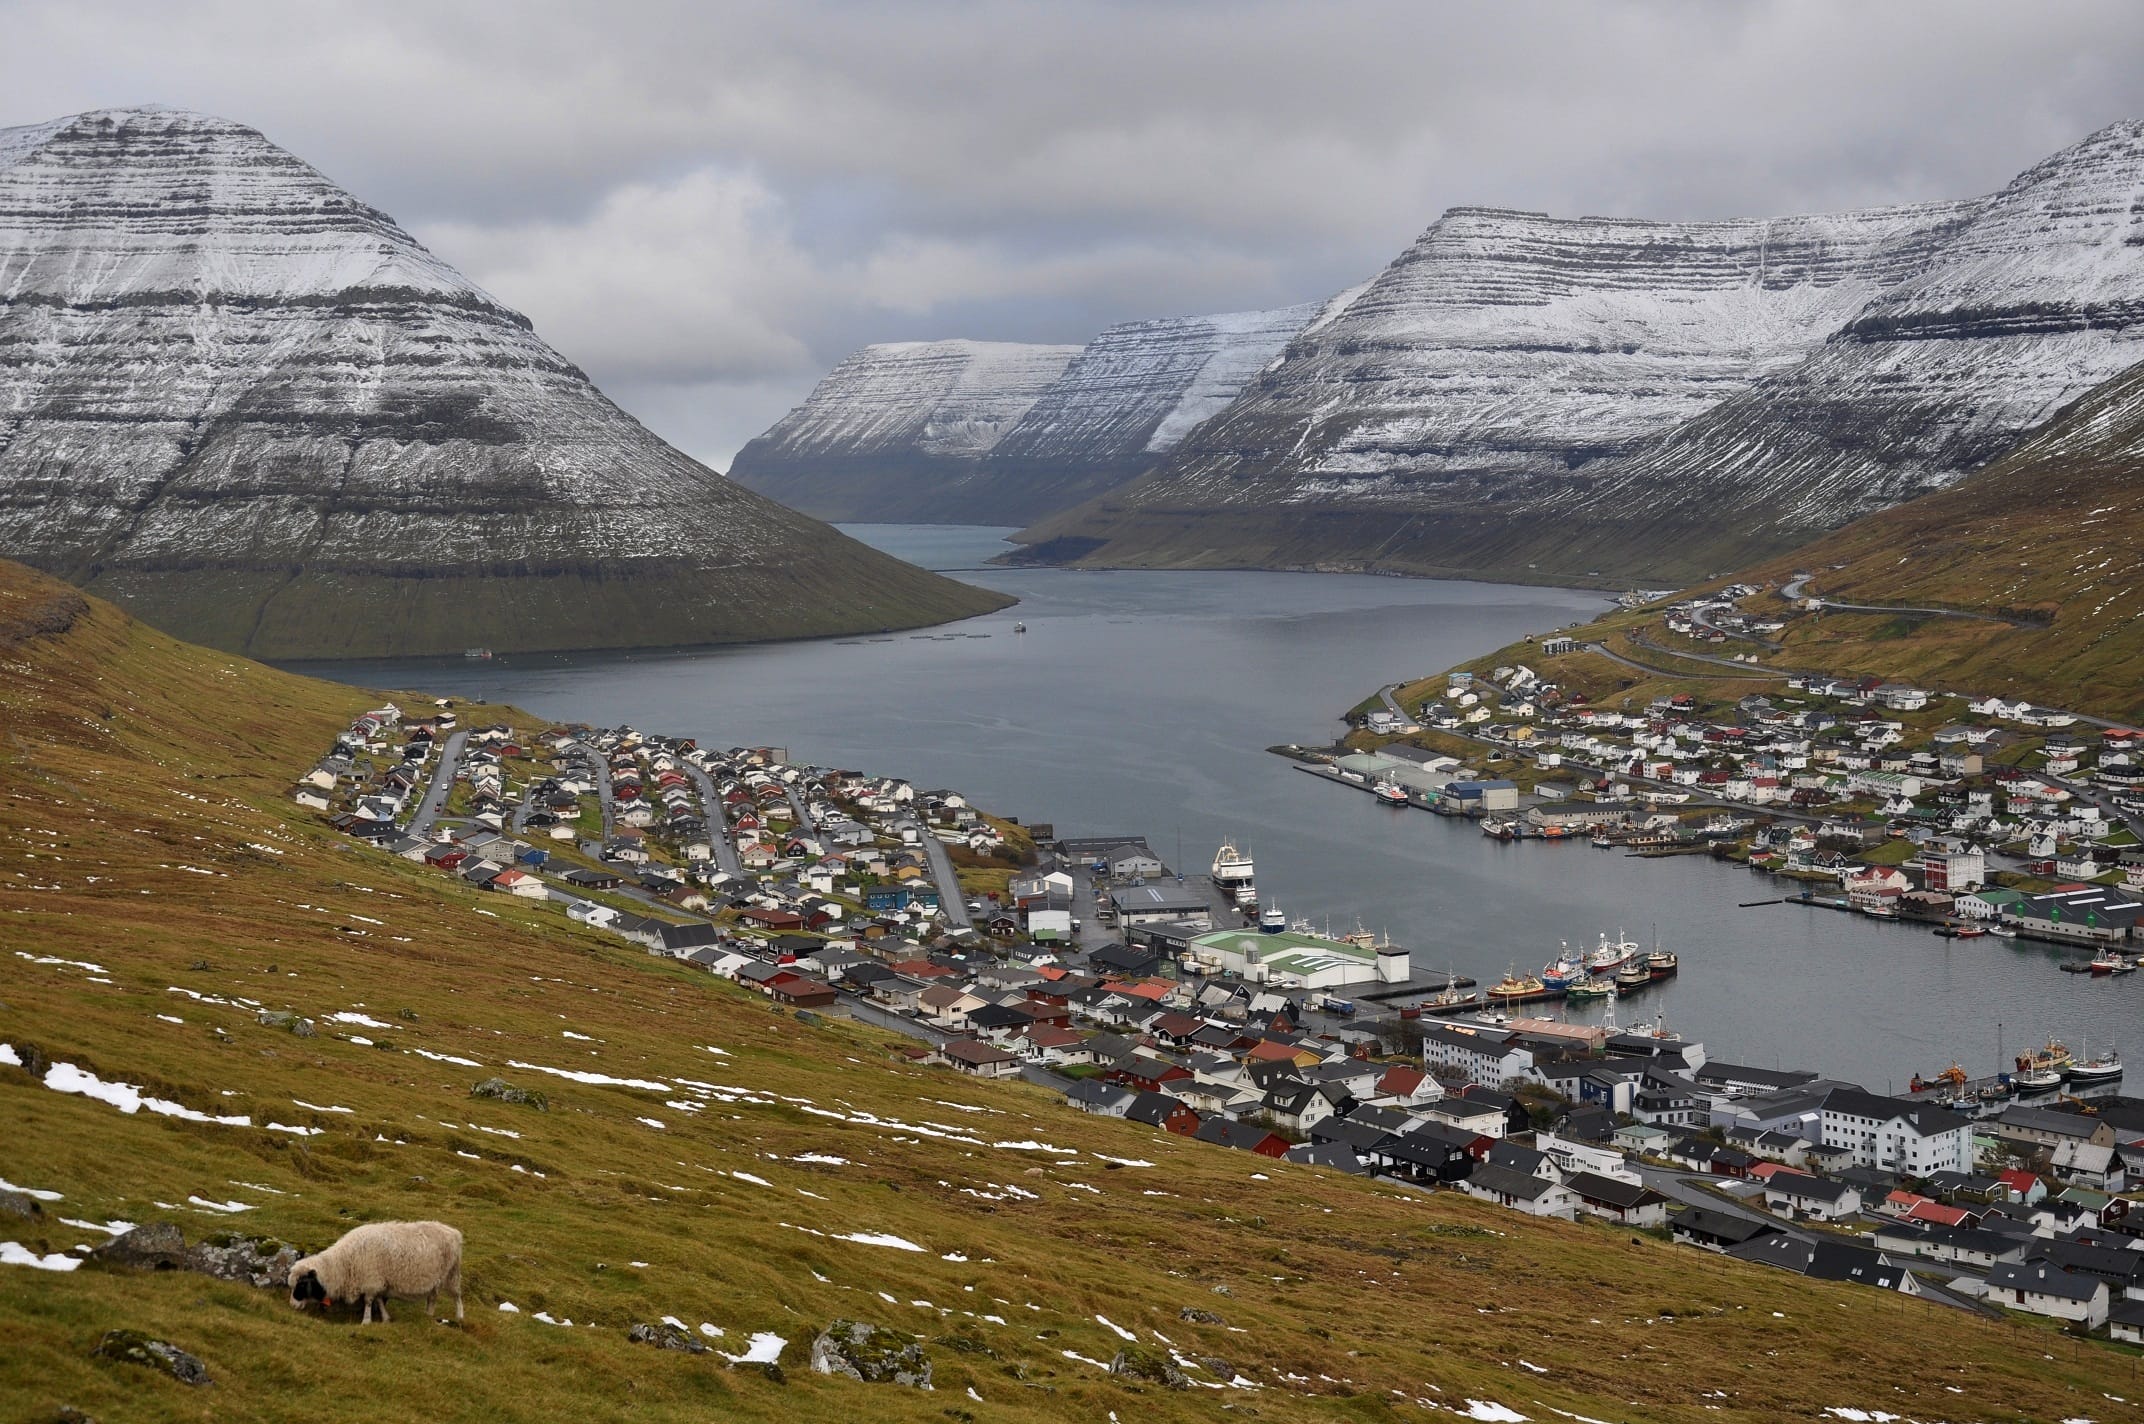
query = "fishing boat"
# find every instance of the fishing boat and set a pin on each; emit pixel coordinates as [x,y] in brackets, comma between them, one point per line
[2107,962]
[2043,1068]
[2103,1068]
[1234,875]
[1602,842]
[1611,955]
[1019,627]
[1662,964]
[1582,991]
[1498,830]
[1390,793]
[1512,986]
[2002,932]
[1271,920]
[1634,975]
[1563,971]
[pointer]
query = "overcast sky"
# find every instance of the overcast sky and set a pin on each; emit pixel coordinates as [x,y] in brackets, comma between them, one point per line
[707,204]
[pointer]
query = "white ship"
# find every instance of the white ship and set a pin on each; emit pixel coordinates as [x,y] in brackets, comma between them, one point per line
[1234,877]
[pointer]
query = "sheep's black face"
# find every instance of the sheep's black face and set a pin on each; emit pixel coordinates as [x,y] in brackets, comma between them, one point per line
[307,1290]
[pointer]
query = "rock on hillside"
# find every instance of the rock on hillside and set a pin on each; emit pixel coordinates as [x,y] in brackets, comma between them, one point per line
[887,436]
[254,410]
[1562,398]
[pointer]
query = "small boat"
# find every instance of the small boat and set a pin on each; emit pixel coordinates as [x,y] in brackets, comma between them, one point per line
[1497,830]
[1601,841]
[2036,1080]
[2002,932]
[1634,975]
[1391,793]
[2102,1068]
[2043,1068]
[2107,962]
[1587,990]
[1271,920]
[1019,627]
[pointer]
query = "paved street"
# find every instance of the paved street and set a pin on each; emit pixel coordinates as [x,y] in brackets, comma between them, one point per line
[435,795]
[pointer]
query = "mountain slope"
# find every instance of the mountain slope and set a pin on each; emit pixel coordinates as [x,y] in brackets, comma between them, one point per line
[868,443]
[1600,400]
[256,411]
[159,887]
[2047,543]
[887,431]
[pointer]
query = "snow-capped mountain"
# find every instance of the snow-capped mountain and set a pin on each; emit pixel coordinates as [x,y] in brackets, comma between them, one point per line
[974,432]
[1545,398]
[257,411]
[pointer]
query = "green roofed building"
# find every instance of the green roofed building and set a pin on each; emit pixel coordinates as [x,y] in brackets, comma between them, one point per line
[1297,961]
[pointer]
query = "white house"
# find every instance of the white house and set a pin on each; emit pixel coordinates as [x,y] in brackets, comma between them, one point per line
[2043,1288]
[1536,1196]
[1892,1135]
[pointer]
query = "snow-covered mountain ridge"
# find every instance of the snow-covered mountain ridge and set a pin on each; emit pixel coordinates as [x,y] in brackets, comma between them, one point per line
[888,434]
[1546,398]
[256,410]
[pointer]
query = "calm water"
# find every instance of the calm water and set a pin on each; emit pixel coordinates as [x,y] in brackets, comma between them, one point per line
[1141,703]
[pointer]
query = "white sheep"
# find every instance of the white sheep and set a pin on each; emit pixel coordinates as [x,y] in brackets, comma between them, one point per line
[380,1259]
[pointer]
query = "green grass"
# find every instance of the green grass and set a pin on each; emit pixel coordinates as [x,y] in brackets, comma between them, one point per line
[126,757]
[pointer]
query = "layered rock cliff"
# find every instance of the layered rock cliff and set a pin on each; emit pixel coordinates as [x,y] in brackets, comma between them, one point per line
[255,411]
[883,437]
[1571,399]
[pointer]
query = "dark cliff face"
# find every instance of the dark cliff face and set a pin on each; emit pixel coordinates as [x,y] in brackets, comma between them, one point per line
[255,410]
[1583,399]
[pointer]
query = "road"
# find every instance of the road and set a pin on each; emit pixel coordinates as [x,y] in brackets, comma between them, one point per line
[435,795]
[1697,616]
[718,826]
[1689,1189]
[951,898]
[602,770]
[879,1016]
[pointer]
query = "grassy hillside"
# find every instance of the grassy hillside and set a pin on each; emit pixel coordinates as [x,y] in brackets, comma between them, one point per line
[2045,542]
[155,886]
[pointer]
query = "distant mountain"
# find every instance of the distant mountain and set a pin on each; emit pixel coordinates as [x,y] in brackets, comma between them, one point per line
[1609,400]
[982,433]
[255,411]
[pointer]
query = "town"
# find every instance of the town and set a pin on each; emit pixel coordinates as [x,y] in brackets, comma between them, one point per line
[1090,967]
[1969,813]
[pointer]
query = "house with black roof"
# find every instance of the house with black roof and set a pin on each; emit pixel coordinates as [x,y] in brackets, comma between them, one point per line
[1624,1202]
[2042,1287]
[1811,1198]
[1828,1260]
[1336,1155]
[1711,1230]
[1536,1196]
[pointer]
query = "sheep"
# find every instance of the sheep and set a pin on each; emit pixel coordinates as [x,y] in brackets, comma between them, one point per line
[383,1258]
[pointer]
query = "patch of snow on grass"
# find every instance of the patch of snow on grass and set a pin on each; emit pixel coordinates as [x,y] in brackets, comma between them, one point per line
[1491,1412]
[1121,1332]
[66,1078]
[437,1057]
[600,1080]
[764,1348]
[229,1207]
[652,1122]
[8,1186]
[357,1020]
[14,1253]
[879,1238]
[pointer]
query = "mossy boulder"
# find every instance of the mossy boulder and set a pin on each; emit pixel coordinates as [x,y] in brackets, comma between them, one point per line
[665,1336]
[152,1246]
[870,1353]
[1139,1363]
[502,1091]
[131,1347]
[20,1204]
